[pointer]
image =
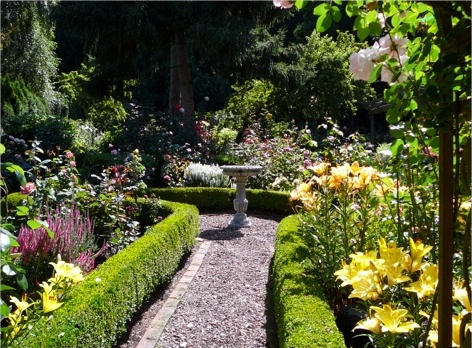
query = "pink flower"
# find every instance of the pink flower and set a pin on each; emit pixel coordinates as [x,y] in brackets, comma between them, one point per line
[283,3]
[110,146]
[28,188]
[69,154]
[166,177]
[72,163]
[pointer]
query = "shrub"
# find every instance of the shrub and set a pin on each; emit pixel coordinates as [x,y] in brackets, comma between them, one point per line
[50,130]
[18,99]
[206,175]
[304,319]
[222,198]
[107,113]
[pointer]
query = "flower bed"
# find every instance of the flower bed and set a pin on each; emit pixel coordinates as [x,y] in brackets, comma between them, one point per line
[99,307]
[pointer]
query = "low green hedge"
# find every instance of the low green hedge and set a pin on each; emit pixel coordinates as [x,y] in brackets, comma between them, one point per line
[100,306]
[217,198]
[303,317]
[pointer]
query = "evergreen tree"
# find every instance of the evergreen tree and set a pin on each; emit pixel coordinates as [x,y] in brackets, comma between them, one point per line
[28,47]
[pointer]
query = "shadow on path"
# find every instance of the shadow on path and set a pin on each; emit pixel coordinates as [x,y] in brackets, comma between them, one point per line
[221,234]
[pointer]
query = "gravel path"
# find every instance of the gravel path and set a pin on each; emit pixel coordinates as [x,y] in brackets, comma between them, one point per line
[226,304]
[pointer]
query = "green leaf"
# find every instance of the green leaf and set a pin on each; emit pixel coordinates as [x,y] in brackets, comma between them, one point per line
[323,23]
[21,178]
[34,224]
[21,281]
[431,132]
[397,131]
[396,20]
[375,29]
[300,4]
[4,287]
[363,33]
[352,8]
[2,149]
[50,233]
[375,74]
[397,147]
[371,17]
[413,105]
[321,9]
[22,210]
[4,310]
[338,2]
[336,13]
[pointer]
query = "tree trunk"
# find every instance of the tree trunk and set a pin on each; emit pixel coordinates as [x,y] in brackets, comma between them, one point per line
[181,88]
[174,90]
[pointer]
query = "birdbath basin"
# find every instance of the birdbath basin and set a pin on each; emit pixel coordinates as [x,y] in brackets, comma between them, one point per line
[240,203]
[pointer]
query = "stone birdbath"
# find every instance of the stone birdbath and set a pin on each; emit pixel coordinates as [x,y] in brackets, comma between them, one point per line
[240,203]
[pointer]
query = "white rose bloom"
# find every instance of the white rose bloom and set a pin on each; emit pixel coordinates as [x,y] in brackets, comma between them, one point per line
[361,64]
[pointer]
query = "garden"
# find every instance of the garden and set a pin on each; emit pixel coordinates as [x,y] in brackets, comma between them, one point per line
[117,117]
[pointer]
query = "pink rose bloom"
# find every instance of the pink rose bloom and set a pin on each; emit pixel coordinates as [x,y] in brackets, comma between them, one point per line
[28,188]
[166,177]
[69,154]
[283,3]
[72,163]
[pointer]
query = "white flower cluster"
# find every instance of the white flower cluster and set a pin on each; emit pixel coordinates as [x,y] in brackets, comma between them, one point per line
[362,63]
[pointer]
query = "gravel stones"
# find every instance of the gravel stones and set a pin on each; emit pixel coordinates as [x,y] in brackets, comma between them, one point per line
[226,304]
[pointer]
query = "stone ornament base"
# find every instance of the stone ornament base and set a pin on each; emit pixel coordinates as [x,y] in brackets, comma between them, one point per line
[239,220]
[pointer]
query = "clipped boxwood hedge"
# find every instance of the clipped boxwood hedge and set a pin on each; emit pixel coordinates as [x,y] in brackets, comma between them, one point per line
[99,308]
[217,198]
[303,317]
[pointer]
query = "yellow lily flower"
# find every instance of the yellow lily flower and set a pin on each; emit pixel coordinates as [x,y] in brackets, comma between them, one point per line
[338,175]
[321,168]
[394,274]
[372,325]
[21,305]
[418,250]
[426,284]
[393,320]
[367,285]
[390,253]
[460,294]
[49,297]
[355,168]
[67,270]
[50,302]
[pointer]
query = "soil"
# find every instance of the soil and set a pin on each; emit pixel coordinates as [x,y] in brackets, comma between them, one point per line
[228,303]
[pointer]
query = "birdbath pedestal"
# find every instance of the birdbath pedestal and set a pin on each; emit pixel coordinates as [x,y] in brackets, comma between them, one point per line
[240,203]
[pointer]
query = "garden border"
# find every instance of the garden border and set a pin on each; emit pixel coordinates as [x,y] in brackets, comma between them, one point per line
[100,306]
[304,319]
